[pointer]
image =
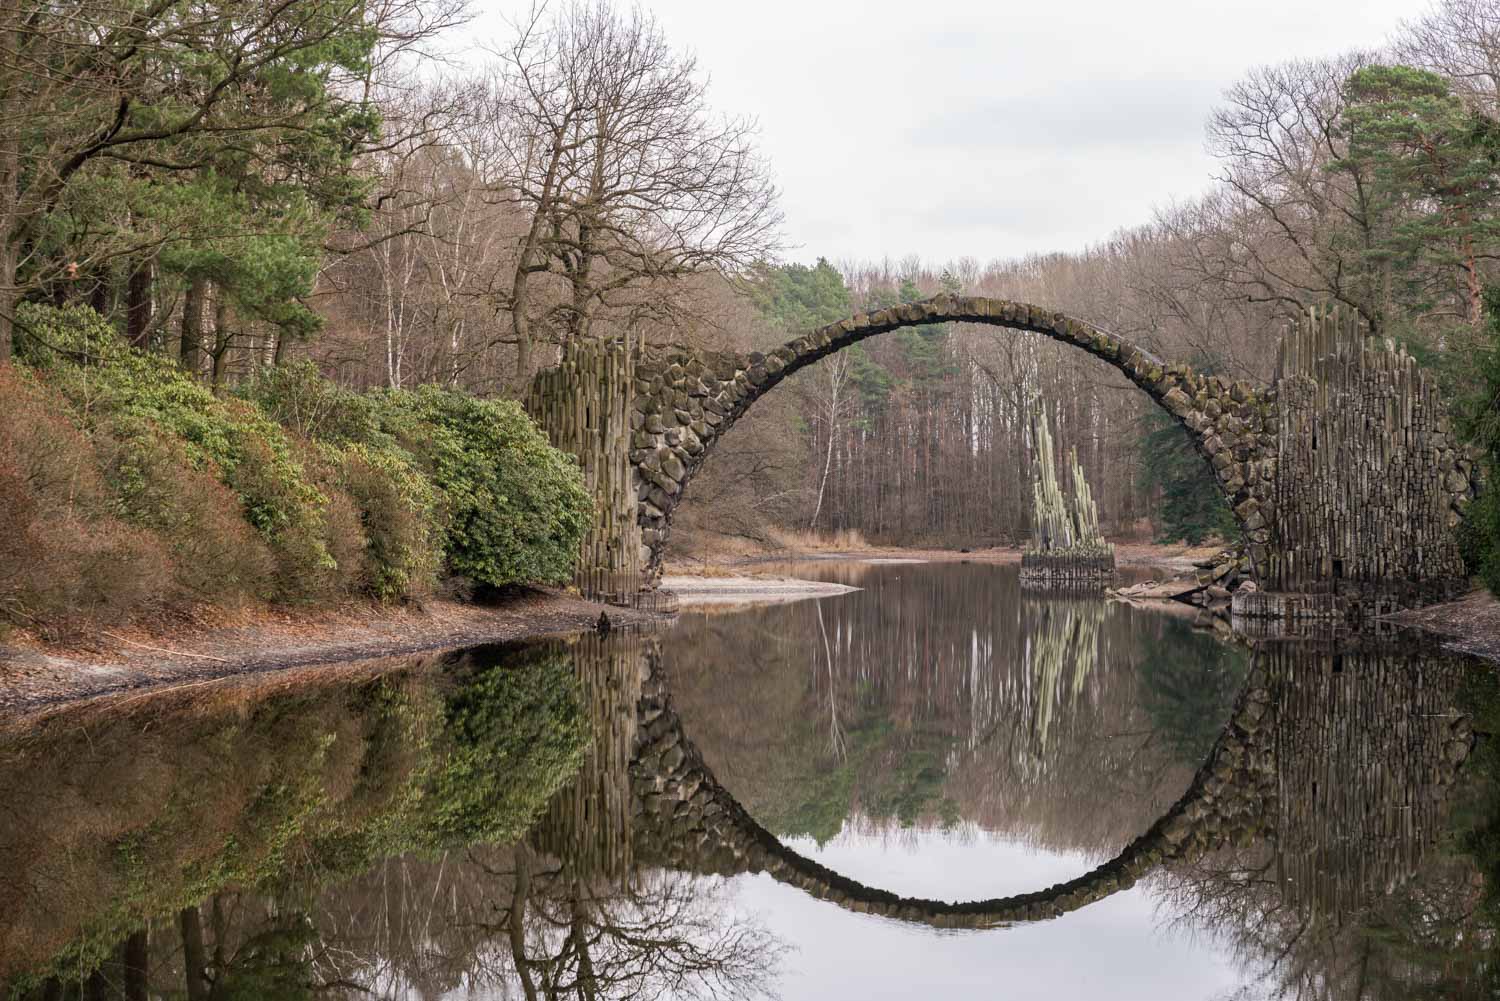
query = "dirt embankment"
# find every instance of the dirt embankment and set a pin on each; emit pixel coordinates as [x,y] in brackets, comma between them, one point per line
[33,674]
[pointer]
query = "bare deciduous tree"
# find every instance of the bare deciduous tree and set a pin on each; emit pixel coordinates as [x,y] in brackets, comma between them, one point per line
[629,184]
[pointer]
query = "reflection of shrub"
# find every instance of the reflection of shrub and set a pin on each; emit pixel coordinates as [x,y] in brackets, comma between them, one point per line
[514,733]
[213,792]
[192,794]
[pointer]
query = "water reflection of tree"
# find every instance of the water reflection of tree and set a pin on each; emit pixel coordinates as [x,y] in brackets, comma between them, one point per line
[1188,686]
[942,695]
[489,919]
[116,816]
[561,913]
[660,935]
[1419,941]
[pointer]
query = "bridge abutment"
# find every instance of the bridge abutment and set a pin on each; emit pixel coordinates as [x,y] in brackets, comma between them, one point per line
[1370,483]
[585,405]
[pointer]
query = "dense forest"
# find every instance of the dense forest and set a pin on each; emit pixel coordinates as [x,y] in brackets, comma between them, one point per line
[287,207]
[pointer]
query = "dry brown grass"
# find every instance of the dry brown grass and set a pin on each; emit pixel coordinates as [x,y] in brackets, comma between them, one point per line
[725,555]
[848,540]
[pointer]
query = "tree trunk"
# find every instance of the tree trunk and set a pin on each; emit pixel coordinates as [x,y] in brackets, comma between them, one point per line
[193,959]
[190,352]
[136,955]
[12,39]
[138,306]
[221,340]
[9,298]
[518,919]
[101,297]
[220,928]
[96,988]
[1474,286]
[520,293]
[588,981]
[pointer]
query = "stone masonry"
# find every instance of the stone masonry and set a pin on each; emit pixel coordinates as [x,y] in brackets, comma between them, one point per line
[683,401]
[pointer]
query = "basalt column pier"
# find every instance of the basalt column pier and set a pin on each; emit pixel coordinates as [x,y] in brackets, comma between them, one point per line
[649,418]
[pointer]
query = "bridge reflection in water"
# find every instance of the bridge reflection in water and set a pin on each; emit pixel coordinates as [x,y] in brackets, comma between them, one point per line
[1339,759]
[1311,835]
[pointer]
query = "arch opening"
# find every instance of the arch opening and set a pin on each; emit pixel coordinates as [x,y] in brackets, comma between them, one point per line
[685,401]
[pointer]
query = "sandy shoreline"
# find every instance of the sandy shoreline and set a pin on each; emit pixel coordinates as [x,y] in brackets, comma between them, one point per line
[693,591]
[33,675]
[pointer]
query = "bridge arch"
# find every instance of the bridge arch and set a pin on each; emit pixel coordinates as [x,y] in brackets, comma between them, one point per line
[686,819]
[685,401]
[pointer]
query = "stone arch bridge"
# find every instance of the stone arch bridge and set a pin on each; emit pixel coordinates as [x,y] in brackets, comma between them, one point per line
[1342,472]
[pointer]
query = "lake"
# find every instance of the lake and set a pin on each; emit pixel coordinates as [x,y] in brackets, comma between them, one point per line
[939,784]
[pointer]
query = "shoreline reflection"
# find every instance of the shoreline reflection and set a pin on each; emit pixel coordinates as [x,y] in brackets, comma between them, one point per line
[550,821]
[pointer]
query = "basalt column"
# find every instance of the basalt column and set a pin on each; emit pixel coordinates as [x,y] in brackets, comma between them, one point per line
[588,823]
[584,404]
[1370,482]
[1067,548]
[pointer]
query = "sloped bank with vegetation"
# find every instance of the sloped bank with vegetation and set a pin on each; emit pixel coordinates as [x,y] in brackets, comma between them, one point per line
[131,494]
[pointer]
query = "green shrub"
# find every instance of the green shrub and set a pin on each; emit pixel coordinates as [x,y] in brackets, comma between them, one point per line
[516,506]
[232,439]
[57,335]
[64,563]
[128,487]
[507,507]
[399,512]
[347,545]
[298,398]
[216,556]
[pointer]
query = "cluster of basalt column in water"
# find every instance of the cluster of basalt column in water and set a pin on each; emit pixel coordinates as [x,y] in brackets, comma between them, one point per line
[1067,546]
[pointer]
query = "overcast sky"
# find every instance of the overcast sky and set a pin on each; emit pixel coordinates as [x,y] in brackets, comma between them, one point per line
[1122,948]
[951,128]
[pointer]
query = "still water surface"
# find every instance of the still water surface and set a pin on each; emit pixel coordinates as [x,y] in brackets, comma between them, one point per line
[936,785]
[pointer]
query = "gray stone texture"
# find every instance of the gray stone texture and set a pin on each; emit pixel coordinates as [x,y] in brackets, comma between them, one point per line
[1342,474]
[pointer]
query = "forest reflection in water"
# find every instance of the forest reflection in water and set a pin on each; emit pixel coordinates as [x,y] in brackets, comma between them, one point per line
[943,695]
[509,822]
